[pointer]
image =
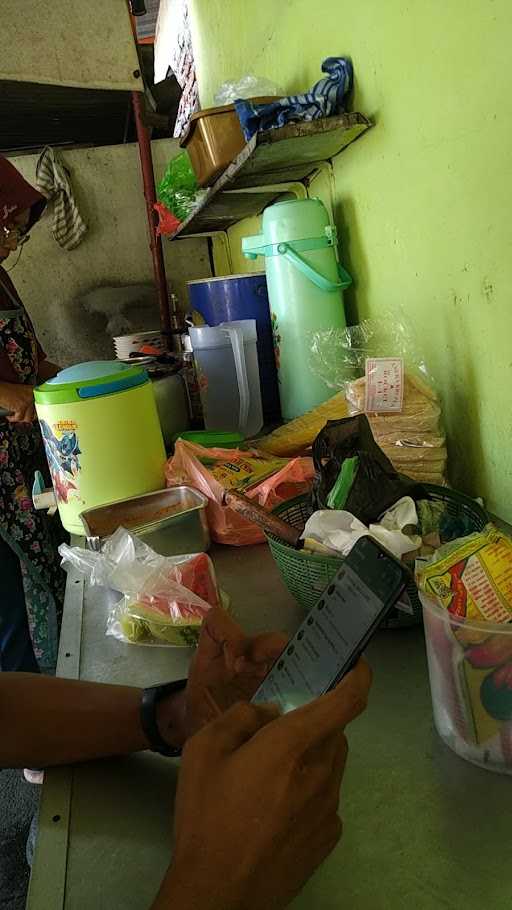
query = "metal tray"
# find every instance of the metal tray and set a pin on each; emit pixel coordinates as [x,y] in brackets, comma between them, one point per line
[170,521]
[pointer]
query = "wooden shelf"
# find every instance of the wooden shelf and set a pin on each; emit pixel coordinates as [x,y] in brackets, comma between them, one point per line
[285,155]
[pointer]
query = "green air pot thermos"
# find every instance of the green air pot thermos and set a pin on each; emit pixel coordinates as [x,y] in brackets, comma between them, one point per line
[305,290]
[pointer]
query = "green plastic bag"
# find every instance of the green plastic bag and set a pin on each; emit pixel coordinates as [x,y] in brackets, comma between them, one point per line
[178,188]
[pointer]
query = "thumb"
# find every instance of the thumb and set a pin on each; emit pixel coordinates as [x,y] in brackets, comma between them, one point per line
[263,650]
[332,712]
[238,725]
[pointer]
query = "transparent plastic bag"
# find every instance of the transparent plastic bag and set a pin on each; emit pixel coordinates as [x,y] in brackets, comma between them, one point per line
[248,86]
[165,597]
[170,617]
[409,428]
[339,355]
[125,562]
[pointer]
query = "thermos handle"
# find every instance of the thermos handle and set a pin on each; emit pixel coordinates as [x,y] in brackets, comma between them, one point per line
[325,284]
[236,338]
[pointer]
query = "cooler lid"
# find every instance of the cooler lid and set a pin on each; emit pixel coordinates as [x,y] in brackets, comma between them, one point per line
[90,380]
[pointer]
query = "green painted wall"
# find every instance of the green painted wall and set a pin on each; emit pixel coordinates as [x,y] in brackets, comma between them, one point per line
[424,201]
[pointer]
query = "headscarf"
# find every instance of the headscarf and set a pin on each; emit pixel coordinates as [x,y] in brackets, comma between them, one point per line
[16,195]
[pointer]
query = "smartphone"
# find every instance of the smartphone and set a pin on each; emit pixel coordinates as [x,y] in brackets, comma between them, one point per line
[336,631]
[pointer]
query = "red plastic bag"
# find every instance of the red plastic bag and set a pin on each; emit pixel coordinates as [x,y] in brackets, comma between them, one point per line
[167,222]
[226,525]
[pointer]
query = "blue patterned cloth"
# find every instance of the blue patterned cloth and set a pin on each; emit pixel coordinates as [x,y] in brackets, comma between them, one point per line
[323,100]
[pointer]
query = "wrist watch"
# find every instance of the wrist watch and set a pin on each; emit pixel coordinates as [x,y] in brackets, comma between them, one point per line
[150,699]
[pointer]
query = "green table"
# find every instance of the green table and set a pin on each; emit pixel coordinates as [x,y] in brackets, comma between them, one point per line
[424,830]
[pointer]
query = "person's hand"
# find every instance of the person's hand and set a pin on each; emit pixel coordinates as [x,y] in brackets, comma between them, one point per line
[18,399]
[257,802]
[228,663]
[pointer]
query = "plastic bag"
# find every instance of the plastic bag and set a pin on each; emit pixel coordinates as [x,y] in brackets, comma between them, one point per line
[165,597]
[247,87]
[339,530]
[379,366]
[178,188]
[125,562]
[189,464]
[371,485]
[339,355]
[167,222]
[472,577]
[170,617]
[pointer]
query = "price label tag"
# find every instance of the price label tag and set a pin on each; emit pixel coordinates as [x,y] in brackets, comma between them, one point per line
[384,385]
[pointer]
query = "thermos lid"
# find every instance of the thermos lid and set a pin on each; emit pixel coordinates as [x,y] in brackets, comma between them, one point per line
[90,380]
[302,220]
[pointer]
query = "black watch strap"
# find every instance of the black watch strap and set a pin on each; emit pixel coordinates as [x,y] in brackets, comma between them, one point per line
[150,699]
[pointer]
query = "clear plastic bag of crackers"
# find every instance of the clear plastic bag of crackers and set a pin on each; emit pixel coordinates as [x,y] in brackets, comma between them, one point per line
[381,370]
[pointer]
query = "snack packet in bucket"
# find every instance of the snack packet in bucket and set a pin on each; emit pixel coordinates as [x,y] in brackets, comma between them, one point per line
[472,577]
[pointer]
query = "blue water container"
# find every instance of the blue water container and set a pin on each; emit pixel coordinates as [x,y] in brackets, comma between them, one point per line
[233,297]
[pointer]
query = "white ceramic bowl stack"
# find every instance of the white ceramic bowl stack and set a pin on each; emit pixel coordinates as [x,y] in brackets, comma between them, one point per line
[126,345]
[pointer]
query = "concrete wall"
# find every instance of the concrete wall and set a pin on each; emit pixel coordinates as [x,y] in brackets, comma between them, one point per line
[423,201]
[115,251]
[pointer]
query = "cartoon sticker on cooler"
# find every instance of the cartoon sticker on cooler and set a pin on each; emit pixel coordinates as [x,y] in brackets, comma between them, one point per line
[63,454]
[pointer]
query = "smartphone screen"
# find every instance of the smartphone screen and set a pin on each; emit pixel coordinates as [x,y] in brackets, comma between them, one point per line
[338,628]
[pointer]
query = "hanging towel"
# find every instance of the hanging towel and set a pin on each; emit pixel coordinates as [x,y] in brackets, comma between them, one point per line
[323,100]
[52,178]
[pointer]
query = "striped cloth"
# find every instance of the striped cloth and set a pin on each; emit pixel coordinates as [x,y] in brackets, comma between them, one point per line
[52,178]
[323,100]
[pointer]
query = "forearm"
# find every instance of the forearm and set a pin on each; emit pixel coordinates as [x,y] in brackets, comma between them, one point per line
[46,721]
[8,391]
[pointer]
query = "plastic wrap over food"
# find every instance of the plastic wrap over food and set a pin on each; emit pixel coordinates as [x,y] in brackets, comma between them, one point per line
[382,373]
[125,562]
[248,86]
[165,597]
[168,611]
[411,438]
[340,355]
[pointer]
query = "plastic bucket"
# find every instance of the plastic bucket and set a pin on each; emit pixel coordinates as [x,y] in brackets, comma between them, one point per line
[235,297]
[470,669]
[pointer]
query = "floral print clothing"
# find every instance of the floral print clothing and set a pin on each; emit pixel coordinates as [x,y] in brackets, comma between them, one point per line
[30,534]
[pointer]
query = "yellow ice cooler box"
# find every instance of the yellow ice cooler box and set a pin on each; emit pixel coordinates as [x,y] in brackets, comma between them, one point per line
[102,436]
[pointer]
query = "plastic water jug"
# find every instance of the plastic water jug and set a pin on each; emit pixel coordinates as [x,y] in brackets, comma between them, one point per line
[227,366]
[305,289]
[102,436]
[233,297]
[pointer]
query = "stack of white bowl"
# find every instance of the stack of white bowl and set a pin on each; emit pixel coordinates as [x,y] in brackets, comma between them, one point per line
[126,345]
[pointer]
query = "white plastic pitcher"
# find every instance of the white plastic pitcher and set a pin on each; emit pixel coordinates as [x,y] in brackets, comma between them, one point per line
[229,378]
